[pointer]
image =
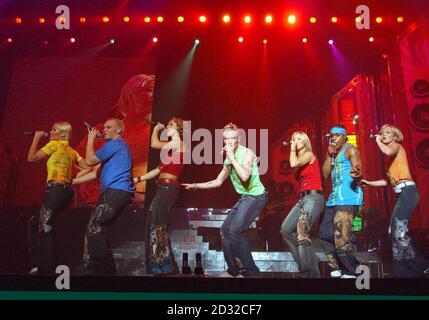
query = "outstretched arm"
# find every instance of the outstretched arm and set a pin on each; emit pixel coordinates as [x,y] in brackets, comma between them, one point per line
[223,175]
[86,175]
[376,183]
[148,175]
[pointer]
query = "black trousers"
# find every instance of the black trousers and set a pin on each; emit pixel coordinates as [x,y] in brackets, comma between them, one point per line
[41,245]
[108,208]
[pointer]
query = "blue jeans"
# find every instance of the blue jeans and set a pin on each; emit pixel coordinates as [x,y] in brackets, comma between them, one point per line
[233,233]
[407,262]
[307,210]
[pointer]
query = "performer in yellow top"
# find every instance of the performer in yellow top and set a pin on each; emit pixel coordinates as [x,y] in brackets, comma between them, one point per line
[59,193]
[407,261]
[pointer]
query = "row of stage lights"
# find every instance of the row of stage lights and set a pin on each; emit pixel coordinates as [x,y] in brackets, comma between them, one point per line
[226,19]
[155,39]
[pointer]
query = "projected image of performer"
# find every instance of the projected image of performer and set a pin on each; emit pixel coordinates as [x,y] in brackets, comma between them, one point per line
[241,166]
[116,192]
[407,261]
[343,164]
[134,108]
[297,225]
[59,193]
[159,254]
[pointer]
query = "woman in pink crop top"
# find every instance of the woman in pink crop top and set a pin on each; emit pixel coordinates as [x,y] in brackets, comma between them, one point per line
[297,225]
[160,257]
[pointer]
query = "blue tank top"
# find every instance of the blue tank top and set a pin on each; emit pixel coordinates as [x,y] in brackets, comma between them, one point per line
[345,190]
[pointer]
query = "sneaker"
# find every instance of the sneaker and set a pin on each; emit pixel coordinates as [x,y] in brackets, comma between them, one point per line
[347,276]
[34,271]
[336,274]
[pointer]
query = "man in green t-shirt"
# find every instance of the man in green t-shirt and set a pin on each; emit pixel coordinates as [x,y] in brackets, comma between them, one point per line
[241,166]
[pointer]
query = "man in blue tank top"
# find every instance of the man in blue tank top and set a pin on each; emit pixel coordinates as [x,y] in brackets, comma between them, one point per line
[343,164]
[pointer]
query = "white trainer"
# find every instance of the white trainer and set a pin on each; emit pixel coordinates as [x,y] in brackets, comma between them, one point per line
[34,270]
[225,274]
[348,276]
[336,274]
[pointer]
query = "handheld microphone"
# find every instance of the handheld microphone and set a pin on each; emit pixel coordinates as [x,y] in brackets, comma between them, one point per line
[373,136]
[89,127]
[286,143]
[32,133]
[334,155]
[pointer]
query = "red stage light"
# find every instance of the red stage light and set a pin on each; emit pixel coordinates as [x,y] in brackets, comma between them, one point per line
[42,20]
[304,40]
[265,41]
[334,19]
[126,19]
[155,39]
[331,42]
[72,40]
[226,18]
[180,19]
[358,19]
[18,20]
[106,19]
[291,19]
[379,20]
[46,42]
[240,39]
[313,20]
[268,19]
[82,19]
[147,19]
[400,19]
[9,40]
[371,39]
[203,19]
[62,20]
[247,19]
[160,19]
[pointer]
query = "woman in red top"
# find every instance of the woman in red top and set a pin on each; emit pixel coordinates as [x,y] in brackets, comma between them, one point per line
[297,225]
[159,254]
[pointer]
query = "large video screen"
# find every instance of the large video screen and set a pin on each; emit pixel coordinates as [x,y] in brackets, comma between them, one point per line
[43,91]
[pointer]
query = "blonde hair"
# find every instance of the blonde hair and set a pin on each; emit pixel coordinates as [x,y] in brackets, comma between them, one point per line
[304,138]
[396,132]
[119,123]
[64,128]
[230,126]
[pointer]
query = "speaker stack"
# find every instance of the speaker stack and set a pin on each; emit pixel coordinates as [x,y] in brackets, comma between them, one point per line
[414,68]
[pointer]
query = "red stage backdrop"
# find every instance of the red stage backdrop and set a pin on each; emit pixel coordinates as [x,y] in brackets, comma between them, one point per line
[409,65]
[43,91]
